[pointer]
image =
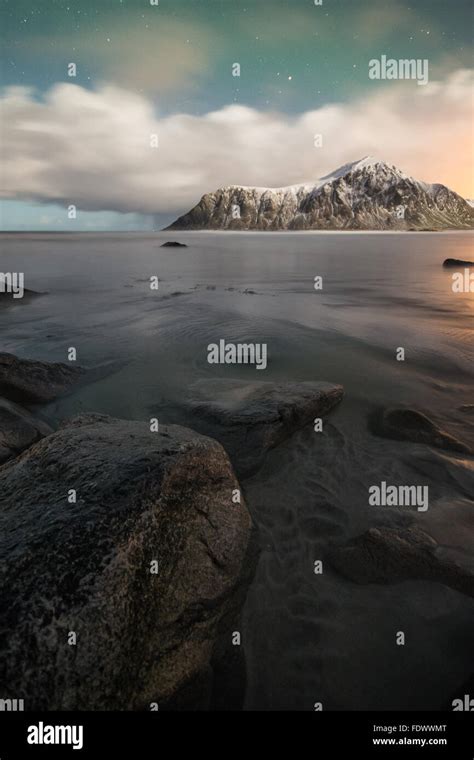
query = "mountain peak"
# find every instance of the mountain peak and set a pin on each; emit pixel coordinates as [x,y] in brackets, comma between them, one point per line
[315,185]
[363,194]
[369,161]
[362,163]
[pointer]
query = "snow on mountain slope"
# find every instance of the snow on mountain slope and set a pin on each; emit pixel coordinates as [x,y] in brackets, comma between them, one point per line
[365,194]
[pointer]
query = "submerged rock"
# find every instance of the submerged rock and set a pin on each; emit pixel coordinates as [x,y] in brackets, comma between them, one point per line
[249,418]
[18,429]
[173,244]
[411,425]
[8,297]
[143,569]
[390,555]
[457,263]
[35,381]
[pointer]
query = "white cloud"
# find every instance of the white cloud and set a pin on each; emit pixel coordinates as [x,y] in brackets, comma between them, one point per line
[92,148]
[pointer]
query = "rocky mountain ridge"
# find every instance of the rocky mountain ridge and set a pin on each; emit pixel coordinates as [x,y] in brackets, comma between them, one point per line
[363,195]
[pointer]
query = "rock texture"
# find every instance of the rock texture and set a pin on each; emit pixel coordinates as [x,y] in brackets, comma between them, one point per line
[85,567]
[362,195]
[18,429]
[251,418]
[35,381]
[389,555]
[411,425]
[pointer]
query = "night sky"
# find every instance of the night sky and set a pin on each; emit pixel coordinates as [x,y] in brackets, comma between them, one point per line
[295,57]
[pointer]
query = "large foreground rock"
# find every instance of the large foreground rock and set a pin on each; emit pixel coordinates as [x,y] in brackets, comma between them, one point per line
[18,429]
[393,555]
[85,567]
[249,418]
[411,425]
[35,381]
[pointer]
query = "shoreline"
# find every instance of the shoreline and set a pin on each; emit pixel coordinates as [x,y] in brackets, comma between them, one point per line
[153,233]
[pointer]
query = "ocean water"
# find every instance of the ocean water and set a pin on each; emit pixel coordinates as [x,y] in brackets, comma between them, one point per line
[307,638]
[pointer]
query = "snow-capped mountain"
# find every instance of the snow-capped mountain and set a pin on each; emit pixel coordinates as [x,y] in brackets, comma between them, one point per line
[364,195]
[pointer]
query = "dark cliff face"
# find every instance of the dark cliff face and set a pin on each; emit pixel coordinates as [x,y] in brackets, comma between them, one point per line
[365,195]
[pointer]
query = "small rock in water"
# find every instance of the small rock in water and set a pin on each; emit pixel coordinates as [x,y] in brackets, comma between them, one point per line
[458,263]
[7,295]
[249,418]
[387,555]
[35,381]
[411,425]
[174,244]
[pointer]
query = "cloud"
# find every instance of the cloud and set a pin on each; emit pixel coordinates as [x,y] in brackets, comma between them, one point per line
[92,148]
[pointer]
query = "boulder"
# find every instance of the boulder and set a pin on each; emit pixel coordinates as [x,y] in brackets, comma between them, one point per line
[393,555]
[35,381]
[173,244]
[144,632]
[411,425]
[18,429]
[249,418]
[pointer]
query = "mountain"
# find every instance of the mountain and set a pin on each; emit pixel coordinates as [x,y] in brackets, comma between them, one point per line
[363,195]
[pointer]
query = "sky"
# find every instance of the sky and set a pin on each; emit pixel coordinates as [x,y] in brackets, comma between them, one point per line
[154,116]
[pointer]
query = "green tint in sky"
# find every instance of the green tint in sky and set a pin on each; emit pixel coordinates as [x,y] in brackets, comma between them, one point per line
[293,54]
